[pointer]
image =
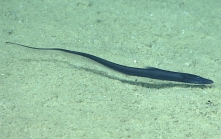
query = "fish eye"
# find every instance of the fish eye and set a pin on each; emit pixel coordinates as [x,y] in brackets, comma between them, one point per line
[198,79]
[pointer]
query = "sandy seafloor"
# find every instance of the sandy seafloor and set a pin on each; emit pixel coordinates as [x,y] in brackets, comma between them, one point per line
[48,94]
